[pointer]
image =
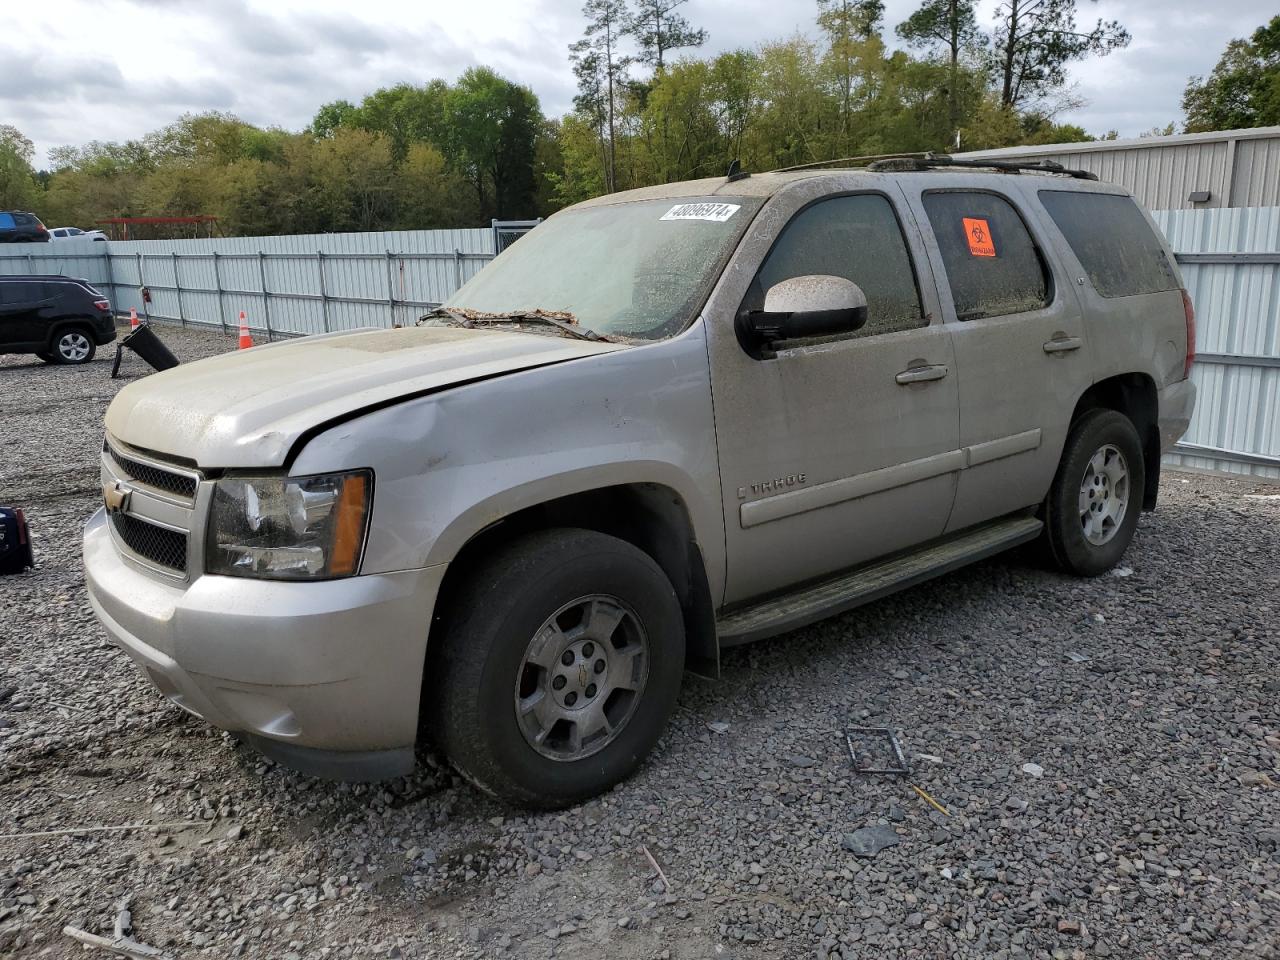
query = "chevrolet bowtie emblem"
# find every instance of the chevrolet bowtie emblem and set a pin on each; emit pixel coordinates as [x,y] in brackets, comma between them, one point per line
[116,496]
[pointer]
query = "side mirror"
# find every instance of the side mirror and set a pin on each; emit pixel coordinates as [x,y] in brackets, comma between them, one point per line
[812,306]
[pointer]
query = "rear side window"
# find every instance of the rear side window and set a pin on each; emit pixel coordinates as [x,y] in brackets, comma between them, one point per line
[6,221]
[856,237]
[992,263]
[1113,242]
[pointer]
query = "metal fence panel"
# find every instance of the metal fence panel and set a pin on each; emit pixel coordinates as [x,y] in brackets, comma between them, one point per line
[284,285]
[1230,261]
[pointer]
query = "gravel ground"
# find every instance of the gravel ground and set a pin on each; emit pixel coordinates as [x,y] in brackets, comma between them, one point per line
[1108,752]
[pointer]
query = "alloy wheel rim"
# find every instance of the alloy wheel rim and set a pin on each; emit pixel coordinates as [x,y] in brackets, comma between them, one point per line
[1104,495]
[581,678]
[74,346]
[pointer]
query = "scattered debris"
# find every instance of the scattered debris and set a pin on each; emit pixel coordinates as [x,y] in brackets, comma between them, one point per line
[1256,778]
[1075,657]
[718,726]
[1033,769]
[1068,926]
[181,825]
[118,945]
[1262,496]
[1122,572]
[868,841]
[666,884]
[124,921]
[929,757]
[929,800]
[862,760]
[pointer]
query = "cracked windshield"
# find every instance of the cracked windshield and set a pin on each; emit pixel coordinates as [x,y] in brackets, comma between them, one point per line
[627,271]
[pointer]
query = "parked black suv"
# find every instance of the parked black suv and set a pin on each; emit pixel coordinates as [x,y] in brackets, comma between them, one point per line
[59,319]
[19,227]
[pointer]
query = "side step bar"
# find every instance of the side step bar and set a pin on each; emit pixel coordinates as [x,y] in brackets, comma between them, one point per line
[830,597]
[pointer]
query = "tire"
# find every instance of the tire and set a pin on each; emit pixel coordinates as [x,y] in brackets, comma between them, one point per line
[1093,506]
[72,346]
[593,587]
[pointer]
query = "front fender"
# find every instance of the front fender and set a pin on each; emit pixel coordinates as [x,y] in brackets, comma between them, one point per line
[448,465]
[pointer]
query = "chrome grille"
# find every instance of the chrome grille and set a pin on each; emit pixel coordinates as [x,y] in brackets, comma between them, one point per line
[153,506]
[182,485]
[158,545]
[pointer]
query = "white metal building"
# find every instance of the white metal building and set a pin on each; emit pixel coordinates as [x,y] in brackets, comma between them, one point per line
[1193,171]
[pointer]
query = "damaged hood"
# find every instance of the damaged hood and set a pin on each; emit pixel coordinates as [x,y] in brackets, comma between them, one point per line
[248,408]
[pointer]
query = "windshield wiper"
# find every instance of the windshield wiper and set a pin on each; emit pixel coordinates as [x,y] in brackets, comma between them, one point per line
[563,322]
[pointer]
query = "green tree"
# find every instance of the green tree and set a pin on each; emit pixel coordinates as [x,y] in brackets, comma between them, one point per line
[331,116]
[1244,88]
[951,25]
[658,29]
[601,69]
[493,125]
[1035,40]
[853,38]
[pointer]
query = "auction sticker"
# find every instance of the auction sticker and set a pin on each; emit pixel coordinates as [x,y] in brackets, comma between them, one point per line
[715,212]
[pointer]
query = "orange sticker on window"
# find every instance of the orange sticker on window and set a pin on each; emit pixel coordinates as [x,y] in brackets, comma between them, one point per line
[978,233]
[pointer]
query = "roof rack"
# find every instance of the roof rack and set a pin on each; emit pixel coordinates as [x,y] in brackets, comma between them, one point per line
[911,162]
[932,161]
[853,161]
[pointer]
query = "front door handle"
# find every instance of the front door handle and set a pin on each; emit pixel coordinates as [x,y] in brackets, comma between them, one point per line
[934,371]
[1063,345]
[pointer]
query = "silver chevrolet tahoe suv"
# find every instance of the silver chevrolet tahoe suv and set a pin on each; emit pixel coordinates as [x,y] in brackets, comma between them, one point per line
[663,423]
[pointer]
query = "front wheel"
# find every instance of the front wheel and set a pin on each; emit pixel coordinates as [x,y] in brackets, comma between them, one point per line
[560,666]
[1093,506]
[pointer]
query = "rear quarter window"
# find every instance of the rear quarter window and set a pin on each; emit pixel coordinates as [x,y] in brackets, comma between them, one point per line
[1113,242]
[6,221]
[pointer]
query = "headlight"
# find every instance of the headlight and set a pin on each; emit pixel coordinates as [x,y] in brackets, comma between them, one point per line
[289,528]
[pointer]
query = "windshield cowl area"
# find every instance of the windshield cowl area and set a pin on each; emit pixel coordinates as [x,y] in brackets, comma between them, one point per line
[560,320]
[626,272]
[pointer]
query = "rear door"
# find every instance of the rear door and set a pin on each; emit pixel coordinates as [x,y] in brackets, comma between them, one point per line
[1020,345]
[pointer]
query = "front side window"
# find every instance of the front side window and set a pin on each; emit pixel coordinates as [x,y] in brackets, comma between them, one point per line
[858,238]
[1113,242]
[637,270]
[992,264]
[15,292]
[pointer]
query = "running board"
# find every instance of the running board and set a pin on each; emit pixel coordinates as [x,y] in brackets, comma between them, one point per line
[830,597]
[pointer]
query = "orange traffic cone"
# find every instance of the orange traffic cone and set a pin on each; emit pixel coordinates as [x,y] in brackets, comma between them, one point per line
[133,319]
[246,341]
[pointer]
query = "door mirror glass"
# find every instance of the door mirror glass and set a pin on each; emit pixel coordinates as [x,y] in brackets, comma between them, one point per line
[802,307]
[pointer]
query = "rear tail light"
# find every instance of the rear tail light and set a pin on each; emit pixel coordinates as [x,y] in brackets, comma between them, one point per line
[1190,312]
[103,305]
[41,228]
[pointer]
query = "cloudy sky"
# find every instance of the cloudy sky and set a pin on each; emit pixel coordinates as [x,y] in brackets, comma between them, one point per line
[78,70]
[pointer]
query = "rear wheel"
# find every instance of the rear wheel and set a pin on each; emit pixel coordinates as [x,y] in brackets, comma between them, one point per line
[560,665]
[73,346]
[1092,509]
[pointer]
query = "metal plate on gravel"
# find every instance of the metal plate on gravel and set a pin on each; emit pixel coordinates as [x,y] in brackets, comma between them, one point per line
[875,750]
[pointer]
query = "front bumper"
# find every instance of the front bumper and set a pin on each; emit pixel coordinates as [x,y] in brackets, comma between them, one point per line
[1176,402]
[325,677]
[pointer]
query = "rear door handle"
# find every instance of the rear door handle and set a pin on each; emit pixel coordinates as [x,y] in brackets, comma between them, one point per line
[1063,345]
[922,374]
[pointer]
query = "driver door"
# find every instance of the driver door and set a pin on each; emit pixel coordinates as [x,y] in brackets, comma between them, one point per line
[835,451]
